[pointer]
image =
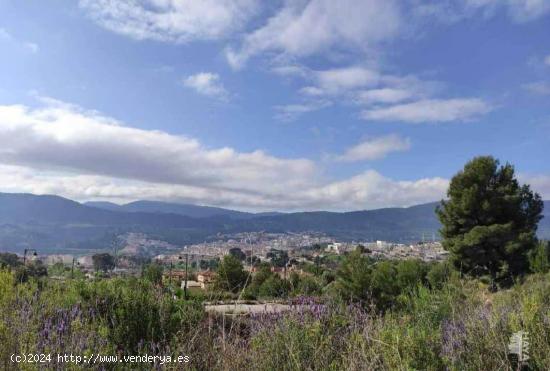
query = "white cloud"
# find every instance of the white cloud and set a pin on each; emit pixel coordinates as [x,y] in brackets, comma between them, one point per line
[291,112]
[384,95]
[303,28]
[450,11]
[63,137]
[430,110]
[291,70]
[206,83]
[367,190]
[539,87]
[375,148]
[526,10]
[374,189]
[81,154]
[344,79]
[171,20]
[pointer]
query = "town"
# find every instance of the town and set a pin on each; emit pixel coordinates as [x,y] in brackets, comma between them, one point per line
[285,252]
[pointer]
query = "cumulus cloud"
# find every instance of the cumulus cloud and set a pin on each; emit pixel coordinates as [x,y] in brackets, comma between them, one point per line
[66,150]
[303,28]
[378,191]
[171,20]
[206,83]
[375,148]
[430,110]
[65,137]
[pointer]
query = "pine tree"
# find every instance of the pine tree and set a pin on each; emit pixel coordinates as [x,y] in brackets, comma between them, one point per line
[489,220]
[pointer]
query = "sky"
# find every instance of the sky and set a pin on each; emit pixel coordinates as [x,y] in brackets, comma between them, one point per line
[280,105]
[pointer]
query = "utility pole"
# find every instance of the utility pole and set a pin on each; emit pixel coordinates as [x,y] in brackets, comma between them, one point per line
[72,268]
[186,273]
[170,273]
[25,255]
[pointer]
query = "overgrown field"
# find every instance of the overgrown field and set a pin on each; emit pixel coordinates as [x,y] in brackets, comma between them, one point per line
[461,325]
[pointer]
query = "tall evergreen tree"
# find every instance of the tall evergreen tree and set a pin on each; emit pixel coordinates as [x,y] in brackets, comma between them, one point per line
[489,220]
[231,275]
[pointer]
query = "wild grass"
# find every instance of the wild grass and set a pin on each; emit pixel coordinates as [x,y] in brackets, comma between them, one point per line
[460,326]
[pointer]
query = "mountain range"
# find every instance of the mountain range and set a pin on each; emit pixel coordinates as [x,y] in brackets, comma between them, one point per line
[55,224]
[193,211]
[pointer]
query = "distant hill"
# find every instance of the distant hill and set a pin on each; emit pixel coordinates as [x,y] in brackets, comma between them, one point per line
[194,211]
[53,223]
[104,205]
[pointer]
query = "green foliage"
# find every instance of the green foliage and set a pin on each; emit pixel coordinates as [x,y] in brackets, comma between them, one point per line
[279,258]
[263,272]
[153,273]
[460,326]
[309,286]
[238,253]
[274,287]
[33,269]
[9,260]
[410,273]
[383,284]
[135,311]
[103,262]
[539,259]
[354,276]
[231,275]
[490,220]
[438,274]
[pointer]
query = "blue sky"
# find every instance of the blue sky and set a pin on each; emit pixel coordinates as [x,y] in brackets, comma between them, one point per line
[295,105]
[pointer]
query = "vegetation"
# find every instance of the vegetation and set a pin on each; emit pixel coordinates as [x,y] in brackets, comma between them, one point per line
[350,311]
[153,273]
[457,324]
[231,275]
[490,221]
[103,262]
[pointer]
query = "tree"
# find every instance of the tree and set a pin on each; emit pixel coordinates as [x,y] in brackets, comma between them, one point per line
[410,273]
[9,260]
[34,269]
[238,253]
[279,258]
[438,274]
[103,262]
[274,287]
[153,273]
[263,272]
[354,276]
[231,275]
[489,220]
[540,258]
[383,285]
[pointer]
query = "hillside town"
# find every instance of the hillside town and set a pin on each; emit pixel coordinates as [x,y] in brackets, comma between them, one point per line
[297,249]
